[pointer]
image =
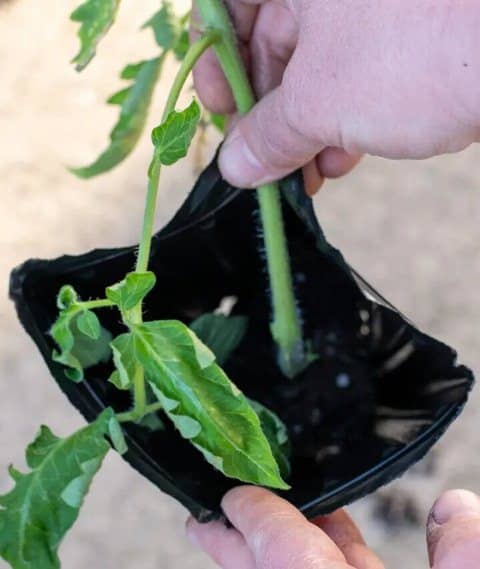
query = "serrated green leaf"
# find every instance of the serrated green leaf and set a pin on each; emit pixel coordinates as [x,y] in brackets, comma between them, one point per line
[135,103]
[44,503]
[77,350]
[88,324]
[66,297]
[222,334]
[131,290]
[202,402]
[277,435]
[96,17]
[173,137]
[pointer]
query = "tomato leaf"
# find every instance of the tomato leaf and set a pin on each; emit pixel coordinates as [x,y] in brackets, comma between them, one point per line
[277,435]
[90,352]
[44,503]
[131,290]
[89,324]
[124,358]
[173,137]
[170,31]
[165,26]
[135,103]
[77,350]
[96,17]
[82,341]
[201,401]
[222,334]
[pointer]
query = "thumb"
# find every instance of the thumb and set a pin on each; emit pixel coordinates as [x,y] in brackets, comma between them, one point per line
[453,531]
[266,144]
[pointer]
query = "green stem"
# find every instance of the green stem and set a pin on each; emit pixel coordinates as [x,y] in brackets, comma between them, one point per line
[192,56]
[93,304]
[140,392]
[130,416]
[286,327]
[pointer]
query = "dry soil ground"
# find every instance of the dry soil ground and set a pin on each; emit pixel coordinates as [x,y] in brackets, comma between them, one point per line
[412,228]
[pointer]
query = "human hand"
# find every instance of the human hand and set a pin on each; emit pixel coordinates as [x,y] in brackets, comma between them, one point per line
[337,79]
[269,533]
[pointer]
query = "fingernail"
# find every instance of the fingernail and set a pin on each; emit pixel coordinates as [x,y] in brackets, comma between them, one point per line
[239,165]
[454,504]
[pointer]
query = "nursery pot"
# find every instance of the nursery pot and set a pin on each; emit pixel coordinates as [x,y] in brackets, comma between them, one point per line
[380,394]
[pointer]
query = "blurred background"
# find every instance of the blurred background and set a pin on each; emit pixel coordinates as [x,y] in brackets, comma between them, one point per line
[412,229]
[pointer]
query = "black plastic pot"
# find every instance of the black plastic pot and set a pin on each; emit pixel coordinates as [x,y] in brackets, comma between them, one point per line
[379,396]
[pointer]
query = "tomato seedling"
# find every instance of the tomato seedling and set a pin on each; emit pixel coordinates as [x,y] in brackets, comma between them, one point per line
[168,367]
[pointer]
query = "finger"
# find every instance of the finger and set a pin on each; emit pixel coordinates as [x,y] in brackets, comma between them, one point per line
[225,546]
[341,529]
[210,82]
[277,533]
[453,531]
[265,145]
[272,43]
[312,178]
[335,162]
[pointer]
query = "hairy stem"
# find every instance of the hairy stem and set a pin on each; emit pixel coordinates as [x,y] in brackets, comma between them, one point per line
[286,327]
[94,304]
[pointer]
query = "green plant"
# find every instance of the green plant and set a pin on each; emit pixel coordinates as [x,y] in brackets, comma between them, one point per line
[166,365]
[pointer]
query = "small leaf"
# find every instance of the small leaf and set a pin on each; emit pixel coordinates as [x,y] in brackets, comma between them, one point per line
[135,103]
[96,17]
[66,297]
[78,351]
[202,402]
[277,435]
[91,352]
[222,334]
[116,435]
[174,136]
[165,26]
[131,290]
[117,380]
[89,324]
[44,503]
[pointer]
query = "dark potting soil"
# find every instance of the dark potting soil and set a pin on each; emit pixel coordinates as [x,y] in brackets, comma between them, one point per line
[378,396]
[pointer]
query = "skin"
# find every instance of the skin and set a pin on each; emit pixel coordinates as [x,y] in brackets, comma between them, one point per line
[338,79]
[269,533]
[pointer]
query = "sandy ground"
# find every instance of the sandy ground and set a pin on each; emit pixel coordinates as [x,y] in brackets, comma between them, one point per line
[412,228]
